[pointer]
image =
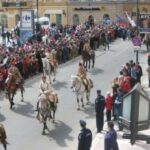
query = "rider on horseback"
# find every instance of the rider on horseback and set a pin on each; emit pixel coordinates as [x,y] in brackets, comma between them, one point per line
[83,75]
[14,72]
[45,89]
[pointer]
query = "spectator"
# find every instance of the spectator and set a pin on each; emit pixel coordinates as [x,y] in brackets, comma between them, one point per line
[108,105]
[110,141]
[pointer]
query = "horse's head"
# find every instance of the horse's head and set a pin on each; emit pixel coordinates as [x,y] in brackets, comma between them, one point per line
[74,81]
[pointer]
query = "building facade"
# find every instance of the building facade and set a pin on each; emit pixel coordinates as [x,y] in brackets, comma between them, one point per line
[70,11]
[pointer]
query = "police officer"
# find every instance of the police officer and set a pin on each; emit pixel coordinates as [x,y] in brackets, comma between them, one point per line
[85,137]
[99,109]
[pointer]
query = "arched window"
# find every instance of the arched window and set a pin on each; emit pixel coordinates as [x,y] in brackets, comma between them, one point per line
[17,17]
[91,20]
[75,19]
[4,20]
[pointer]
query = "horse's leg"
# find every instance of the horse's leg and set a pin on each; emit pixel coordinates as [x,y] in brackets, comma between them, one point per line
[88,97]
[11,99]
[54,110]
[93,61]
[5,145]
[89,63]
[78,108]
[54,73]
[21,90]
[43,133]
[82,100]
[48,76]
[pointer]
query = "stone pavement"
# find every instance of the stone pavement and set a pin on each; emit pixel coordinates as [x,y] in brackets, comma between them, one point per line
[124,144]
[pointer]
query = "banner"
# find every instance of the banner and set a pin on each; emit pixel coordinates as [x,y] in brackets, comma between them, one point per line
[25,35]
[144,20]
[27,19]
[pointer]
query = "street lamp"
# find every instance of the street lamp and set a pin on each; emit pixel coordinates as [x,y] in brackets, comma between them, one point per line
[137,27]
[37,9]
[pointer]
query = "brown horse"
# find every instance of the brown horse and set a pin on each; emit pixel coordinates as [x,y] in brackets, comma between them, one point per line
[46,107]
[11,89]
[87,57]
[3,137]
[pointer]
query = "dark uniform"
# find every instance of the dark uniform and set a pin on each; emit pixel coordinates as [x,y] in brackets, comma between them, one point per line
[110,141]
[99,109]
[85,139]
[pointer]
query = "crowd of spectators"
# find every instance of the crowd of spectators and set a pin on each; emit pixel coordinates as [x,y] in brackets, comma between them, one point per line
[129,75]
[67,42]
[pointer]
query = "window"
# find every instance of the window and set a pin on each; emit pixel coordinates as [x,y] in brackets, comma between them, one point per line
[48,16]
[17,17]
[58,19]
[75,19]
[4,20]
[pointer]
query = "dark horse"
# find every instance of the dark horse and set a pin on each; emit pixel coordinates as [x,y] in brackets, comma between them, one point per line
[87,57]
[11,89]
[45,108]
[3,137]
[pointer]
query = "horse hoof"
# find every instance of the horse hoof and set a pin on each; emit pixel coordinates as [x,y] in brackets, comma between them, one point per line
[43,133]
[54,80]
[22,100]
[78,108]
[87,103]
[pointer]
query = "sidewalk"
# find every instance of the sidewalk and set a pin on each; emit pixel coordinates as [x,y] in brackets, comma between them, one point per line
[124,144]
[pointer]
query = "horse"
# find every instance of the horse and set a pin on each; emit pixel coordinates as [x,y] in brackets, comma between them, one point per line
[46,107]
[80,89]
[11,89]
[3,136]
[87,57]
[49,69]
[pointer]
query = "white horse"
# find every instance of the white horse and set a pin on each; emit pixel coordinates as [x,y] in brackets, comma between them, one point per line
[49,70]
[80,89]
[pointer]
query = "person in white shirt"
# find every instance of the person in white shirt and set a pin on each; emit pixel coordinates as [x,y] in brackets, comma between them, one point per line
[44,88]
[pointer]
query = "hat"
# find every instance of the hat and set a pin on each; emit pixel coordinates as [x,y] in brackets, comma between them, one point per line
[98,91]
[108,93]
[82,123]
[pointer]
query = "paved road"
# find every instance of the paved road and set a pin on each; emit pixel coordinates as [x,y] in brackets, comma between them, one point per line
[24,131]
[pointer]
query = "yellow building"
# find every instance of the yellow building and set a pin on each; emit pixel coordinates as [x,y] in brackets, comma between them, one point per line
[69,11]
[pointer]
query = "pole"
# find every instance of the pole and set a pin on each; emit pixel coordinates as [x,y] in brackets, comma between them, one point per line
[137,26]
[37,9]
[137,15]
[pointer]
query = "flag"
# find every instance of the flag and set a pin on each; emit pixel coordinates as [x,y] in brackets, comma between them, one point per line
[130,20]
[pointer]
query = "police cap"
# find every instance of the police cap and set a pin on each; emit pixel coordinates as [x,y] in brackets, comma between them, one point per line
[82,123]
[98,91]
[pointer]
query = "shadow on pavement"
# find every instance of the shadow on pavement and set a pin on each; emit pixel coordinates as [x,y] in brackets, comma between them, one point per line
[25,109]
[61,133]
[58,85]
[96,71]
[89,110]
[2,117]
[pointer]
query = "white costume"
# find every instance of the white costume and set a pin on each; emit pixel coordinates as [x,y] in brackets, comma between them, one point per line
[45,87]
